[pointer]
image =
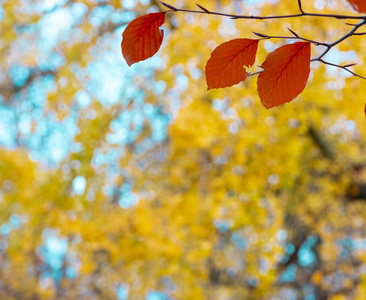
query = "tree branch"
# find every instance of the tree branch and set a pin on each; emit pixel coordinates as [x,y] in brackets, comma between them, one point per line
[328,46]
[8,89]
[300,6]
[233,16]
[296,37]
[346,36]
[321,143]
[341,67]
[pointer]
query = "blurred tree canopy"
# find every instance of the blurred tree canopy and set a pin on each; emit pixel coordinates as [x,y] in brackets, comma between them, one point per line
[137,183]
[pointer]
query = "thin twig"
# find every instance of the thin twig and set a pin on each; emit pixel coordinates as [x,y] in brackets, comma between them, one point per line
[233,16]
[296,37]
[346,36]
[328,46]
[326,63]
[204,9]
[340,67]
[293,32]
[300,6]
[169,6]
[350,65]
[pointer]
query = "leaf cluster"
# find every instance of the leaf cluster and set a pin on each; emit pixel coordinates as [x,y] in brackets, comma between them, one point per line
[284,73]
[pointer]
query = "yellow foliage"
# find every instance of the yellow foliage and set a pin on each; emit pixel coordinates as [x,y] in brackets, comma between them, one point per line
[223,207]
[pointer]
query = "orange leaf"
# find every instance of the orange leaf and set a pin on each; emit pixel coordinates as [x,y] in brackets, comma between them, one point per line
[225,66]
[359,5]
[142,37]
[285,73]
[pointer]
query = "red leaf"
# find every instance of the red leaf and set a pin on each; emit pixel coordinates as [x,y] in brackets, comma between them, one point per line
[142,37]
[359,5]
[285,73]
[225,66]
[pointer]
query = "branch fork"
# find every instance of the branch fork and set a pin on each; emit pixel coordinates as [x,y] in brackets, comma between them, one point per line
[329,46]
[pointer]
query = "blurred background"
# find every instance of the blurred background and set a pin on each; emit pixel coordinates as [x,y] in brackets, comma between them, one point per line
[138,183]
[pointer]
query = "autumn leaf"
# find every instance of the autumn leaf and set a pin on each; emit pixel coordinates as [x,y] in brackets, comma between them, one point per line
[285,73]
[142,38]
[359,5]
[225,66]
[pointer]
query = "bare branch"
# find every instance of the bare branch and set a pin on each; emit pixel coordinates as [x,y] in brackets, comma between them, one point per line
[296,37]
[293,32]
[322,144]
[328,46]
[300,6]
[349,65]
[261,35]
[346,36]
[340,67]
[169,6]
[204,9]
[233,16]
